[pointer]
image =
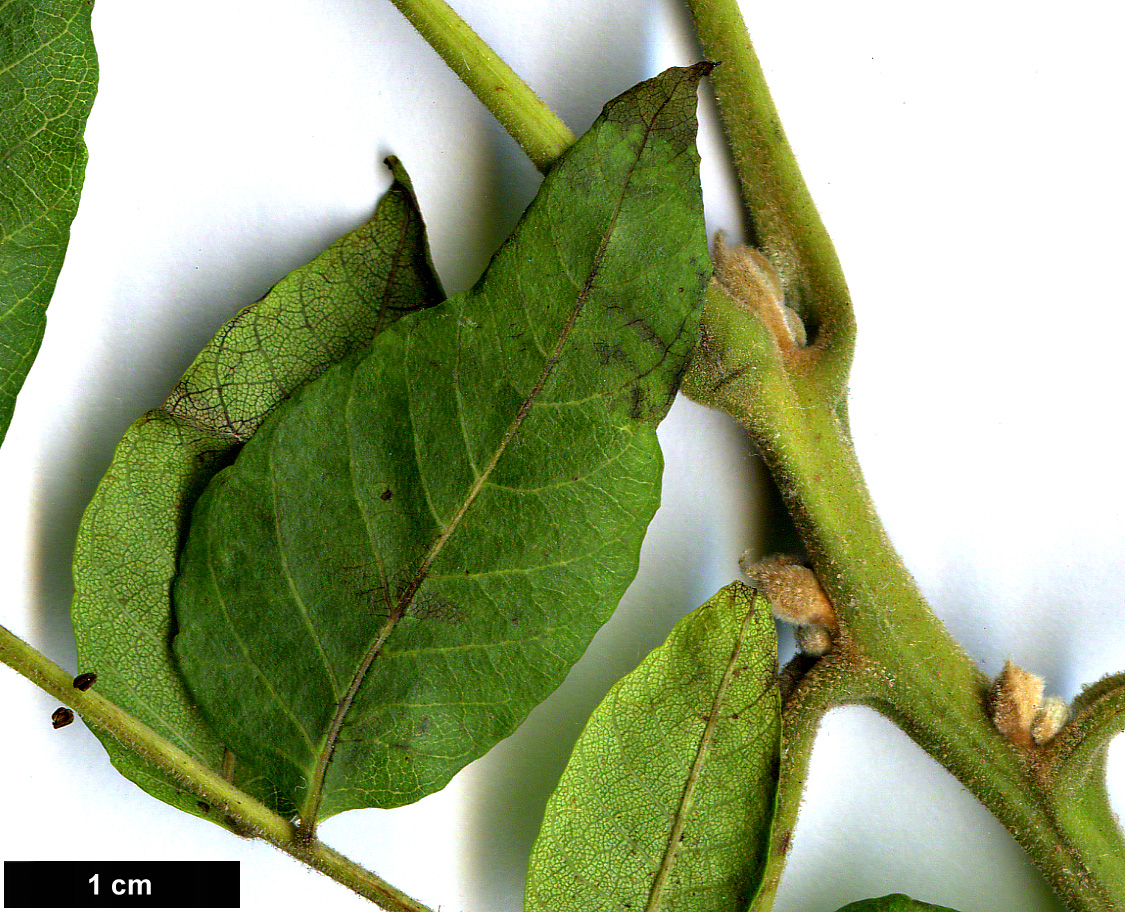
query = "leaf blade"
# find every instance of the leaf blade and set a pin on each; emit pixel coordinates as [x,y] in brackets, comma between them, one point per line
[311,319]
[130,536]
[48,78]
[691,735]
[472,425]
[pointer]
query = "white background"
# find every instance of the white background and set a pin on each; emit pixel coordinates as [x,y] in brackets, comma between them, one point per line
[966,159]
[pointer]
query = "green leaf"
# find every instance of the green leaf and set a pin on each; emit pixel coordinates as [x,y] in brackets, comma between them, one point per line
[896,902]
[415,550]
[48,77]
[668,798]
[133,529]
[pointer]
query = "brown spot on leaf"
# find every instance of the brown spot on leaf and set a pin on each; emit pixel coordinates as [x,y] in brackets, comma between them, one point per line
[386,495]
[636,408]
[647,334]
[362,581]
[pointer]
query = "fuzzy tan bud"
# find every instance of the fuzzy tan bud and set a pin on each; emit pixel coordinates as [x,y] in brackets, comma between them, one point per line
[1050,719]
[796,596]
[1015,701]
[750,278]
[813,640]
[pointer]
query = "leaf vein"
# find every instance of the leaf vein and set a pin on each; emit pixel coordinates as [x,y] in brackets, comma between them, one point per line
[291,583]
[249,659]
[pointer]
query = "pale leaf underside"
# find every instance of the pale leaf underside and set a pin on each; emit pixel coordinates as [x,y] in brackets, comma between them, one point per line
[133,529]
[668,798]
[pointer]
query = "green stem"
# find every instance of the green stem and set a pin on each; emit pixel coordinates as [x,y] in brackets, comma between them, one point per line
[250,815]
[784,220]
[1098,716]
[809,689]
[539,132]
[791,398]
[922,680]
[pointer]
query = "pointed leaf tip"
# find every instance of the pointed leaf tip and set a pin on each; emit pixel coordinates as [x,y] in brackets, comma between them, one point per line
[665,104]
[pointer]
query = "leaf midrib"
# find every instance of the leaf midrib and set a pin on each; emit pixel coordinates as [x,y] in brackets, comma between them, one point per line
[309,814]
[702,753]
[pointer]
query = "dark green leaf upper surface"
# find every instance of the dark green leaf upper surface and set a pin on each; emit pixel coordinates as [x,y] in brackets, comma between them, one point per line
[411,554]
[896,902]
[132,531]
[668,798]
[48,77]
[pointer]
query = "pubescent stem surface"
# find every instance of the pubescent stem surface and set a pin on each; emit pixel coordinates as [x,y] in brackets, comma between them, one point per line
[927,684]
[785,223]
[913,670]
[792,400]
[809,687]
[248,814]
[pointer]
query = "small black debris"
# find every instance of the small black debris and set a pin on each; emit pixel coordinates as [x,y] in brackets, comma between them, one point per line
[85,681]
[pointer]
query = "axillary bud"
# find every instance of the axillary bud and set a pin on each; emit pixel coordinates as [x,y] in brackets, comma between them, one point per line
[796,596]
